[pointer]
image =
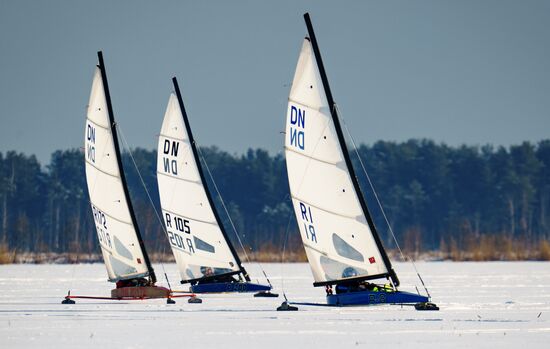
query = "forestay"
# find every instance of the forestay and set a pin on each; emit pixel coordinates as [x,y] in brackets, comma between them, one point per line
[194,232]
[338,240]
[116,229]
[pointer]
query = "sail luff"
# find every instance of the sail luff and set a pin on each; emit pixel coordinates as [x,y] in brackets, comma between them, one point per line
[203,179]
[341,139]
[121,168]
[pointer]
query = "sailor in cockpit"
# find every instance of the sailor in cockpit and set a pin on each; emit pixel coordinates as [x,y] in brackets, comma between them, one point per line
[356,286]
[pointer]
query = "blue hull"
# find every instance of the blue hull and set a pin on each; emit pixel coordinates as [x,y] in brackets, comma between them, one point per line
[371,298]
[221,287]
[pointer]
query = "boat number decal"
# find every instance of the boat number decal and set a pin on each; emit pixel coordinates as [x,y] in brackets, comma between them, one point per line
[90,143]
[297,127]
[100,220]
[169,159]
[307,220]
[372,299]
[236,287]
[382,298]
[181,225]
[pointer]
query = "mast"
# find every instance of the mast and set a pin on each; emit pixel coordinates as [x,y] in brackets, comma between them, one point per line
[101,67]
[341,139]
[207,191]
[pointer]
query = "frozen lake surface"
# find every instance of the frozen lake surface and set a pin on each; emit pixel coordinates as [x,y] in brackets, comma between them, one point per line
[496,304]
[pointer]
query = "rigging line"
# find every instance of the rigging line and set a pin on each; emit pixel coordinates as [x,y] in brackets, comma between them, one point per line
[223,204]
[72,278]
[339,115]
[125,144]
[74,264]
[68,256]
[284,250]
[227,213]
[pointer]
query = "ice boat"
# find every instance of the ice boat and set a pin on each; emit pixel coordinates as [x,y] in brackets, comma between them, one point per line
[342,244]
[204,254]
[126,259]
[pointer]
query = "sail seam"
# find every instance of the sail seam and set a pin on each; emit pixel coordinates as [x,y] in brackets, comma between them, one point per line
[111,216]
[98,125]
[317,109]
[180,249]
[315,249]
[324,209]
[310,157]
[179,178]
[223,263]
[102,171]
[176,139]
[197,220]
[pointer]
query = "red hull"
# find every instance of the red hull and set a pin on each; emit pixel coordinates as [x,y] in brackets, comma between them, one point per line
[140,292]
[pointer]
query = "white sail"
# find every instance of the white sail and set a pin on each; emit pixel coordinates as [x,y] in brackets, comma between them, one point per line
[117,235]
[193,230]
[338,240]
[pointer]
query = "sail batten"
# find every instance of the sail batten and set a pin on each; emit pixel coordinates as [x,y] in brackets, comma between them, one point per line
[107,128]
[341,241]
[113,217]
[119,238]
[177,178]
[312,107]
[306,245]
[198,220]
[174,138]
[114,175]
[311,157]
[195,232]
[297,198]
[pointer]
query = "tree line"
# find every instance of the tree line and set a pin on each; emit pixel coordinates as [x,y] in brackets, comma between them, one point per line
[434,196]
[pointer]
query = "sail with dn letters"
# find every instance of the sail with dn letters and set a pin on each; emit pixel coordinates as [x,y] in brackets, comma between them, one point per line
[336,229]
[205,257]
[341,242]
[117,230]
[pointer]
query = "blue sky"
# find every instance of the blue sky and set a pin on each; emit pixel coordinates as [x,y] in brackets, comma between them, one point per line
[472,72]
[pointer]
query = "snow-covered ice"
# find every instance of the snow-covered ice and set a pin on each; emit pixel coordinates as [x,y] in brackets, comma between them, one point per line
[495,304]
